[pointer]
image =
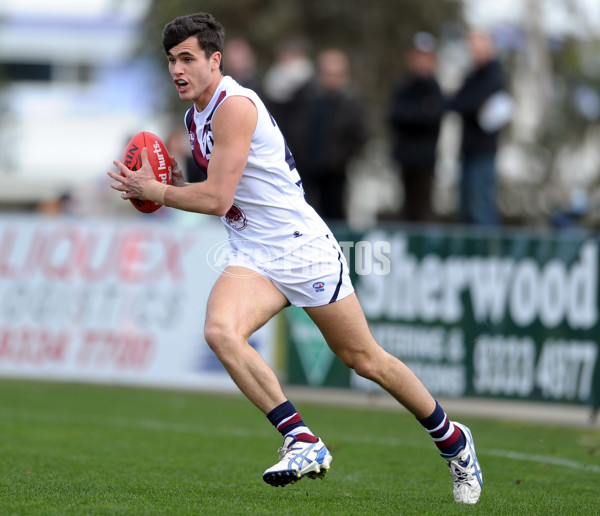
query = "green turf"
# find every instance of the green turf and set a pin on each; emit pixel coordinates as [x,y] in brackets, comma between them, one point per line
[89,449]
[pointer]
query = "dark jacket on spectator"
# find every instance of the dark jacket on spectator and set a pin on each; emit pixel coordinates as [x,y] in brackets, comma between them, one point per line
[333,129]
[478,87]
[415,116]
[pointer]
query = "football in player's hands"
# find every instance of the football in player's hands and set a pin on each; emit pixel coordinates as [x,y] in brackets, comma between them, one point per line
[159,159]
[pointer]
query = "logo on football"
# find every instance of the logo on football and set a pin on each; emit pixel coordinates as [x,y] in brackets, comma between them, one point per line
[159,159]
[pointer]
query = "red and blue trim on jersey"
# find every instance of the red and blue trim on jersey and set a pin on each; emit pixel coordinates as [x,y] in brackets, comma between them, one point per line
[202,157]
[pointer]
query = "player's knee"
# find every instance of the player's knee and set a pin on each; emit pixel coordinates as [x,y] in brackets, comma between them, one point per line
[366,369]
[370,361]
[217,335]
[362,363]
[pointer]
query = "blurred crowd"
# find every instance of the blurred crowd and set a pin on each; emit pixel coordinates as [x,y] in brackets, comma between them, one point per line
[325,120]
[417,108]
[326,123]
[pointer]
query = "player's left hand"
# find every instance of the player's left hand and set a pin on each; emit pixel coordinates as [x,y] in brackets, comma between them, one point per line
[176,173]
[131,183]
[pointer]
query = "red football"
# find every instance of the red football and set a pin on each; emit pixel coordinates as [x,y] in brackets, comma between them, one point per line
[159,159]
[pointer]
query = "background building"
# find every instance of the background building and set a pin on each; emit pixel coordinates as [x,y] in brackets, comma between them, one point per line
[73,88]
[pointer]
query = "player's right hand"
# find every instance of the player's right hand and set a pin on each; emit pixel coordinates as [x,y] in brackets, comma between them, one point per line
[131,183]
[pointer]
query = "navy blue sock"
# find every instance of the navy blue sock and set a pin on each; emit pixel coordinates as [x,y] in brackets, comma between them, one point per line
[447,437]
[286,419]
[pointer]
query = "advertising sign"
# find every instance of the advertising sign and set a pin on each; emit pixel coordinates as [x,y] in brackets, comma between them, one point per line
[510,315]
[107,302]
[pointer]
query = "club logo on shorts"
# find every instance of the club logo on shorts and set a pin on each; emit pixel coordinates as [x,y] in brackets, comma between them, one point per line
[236,218]
[319,286]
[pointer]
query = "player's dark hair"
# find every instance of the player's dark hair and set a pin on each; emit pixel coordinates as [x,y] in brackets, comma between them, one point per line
[208,31]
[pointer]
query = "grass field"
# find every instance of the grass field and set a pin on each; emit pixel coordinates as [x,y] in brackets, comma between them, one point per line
[89,449]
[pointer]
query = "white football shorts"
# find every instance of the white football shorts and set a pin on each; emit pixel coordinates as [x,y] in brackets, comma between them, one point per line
[314,274]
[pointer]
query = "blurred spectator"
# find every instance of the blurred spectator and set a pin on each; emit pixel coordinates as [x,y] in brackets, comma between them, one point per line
[415,116]
[571,212]
[178,145]
[60,205]
[333,131]
[484,107]
[239,61]
[286,85]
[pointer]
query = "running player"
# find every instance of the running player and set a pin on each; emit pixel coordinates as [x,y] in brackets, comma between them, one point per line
[282,253]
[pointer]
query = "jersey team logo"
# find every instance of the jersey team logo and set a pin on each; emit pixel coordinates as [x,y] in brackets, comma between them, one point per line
[319,286]
[207,141]
[236,218]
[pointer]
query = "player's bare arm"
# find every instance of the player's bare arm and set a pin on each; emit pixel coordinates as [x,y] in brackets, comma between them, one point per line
[233,125]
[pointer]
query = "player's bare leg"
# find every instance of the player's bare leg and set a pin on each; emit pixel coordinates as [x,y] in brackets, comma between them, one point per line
[240,303]
[346,331]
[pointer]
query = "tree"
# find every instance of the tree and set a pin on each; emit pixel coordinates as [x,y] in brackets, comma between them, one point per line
[375,34]
[556,80]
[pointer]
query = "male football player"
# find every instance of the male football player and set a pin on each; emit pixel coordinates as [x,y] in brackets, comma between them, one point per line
[253,185]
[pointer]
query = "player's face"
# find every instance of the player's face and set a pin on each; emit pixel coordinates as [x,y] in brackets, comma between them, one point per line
[191,70]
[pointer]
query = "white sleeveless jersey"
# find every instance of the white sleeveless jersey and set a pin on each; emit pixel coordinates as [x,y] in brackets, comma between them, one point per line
[269,210]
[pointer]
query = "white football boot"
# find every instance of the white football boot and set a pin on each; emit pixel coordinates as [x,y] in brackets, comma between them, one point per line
[466,472]
[296,460]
